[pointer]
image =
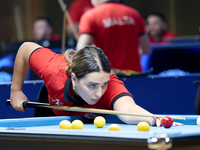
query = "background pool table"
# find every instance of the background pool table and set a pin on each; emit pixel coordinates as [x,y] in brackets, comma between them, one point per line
[44,133]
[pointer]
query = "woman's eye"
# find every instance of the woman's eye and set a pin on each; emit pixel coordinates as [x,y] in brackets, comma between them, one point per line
[92,85]
[105,84]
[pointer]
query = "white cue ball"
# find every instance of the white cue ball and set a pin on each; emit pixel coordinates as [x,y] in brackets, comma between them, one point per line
[198,121]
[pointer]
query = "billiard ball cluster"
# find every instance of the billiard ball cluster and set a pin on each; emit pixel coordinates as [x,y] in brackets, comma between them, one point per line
[166,122]
[100,121]
[76,124]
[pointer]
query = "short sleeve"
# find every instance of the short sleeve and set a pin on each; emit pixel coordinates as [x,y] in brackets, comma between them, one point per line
[86,24]
[75,12]
[115,90]
[43,60]
[77,8]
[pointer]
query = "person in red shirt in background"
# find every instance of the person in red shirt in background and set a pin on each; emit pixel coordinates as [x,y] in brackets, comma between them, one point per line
[43,30]
[76,9]
[157,28]
[117,29]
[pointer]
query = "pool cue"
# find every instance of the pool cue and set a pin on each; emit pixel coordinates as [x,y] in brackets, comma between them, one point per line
[18,23]
[90,110]
[71,24]
[63,31]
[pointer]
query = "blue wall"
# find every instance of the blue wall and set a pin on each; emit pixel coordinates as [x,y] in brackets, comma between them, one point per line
[165,95]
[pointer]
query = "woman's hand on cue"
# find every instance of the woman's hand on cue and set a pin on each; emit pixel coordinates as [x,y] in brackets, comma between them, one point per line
[16,100]
[156,121]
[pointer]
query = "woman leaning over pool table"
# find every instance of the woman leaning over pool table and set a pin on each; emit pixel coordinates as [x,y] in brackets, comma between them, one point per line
[79,78]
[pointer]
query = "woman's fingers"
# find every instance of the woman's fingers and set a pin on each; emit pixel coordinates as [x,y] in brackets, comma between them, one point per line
[155,121]
[177,124]
[158,122]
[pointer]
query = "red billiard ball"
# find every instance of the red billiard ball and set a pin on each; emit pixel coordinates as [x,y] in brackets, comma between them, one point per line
[167,122]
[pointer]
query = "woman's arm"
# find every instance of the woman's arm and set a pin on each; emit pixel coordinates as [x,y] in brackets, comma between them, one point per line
[144,44]
[127,104]
[83,40]
[21,67]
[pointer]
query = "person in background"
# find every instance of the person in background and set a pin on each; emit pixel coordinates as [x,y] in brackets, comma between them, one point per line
[43,30]
[76,9]
[118,30]
[156,27]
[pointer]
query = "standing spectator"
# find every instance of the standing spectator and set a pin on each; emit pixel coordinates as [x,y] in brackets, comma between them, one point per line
[76,9]
[157,28]
[118,30]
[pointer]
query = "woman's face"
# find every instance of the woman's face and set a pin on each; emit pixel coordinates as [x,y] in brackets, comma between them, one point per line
[91,87]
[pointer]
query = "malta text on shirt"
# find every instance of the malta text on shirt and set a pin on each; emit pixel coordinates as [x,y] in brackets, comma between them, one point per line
[124,20]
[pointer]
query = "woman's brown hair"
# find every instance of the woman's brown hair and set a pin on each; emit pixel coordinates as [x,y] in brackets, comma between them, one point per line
[86,60]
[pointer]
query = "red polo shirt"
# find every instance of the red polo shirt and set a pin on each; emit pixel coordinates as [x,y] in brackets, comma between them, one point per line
[51,68]
[166,36]
[77,8]
[116,29]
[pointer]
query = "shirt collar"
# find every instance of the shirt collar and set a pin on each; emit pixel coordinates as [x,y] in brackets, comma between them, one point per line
[109,2]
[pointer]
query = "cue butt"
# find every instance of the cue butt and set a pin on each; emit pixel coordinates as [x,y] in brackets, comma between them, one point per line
[32,104]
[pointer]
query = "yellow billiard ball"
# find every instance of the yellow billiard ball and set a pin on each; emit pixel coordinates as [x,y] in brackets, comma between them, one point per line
[198,121]
[65,124]
[77,124]
[143,126]
[114,127]
[99,122]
